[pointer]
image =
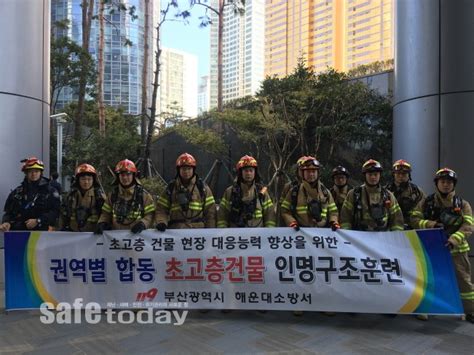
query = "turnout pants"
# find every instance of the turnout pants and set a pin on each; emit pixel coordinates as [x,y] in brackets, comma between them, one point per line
[462,266]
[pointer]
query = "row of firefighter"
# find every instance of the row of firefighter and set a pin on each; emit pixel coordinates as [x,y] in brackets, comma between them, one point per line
[189,203]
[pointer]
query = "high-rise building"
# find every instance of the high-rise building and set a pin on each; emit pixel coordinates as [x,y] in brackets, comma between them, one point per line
[243,51]
[178,84]
[204,91]
[342,34]
[122,63]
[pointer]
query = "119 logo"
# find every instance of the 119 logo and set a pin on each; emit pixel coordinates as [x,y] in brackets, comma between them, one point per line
[147,296]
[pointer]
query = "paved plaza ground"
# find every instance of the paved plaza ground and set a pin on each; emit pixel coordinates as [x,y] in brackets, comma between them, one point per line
[240,332]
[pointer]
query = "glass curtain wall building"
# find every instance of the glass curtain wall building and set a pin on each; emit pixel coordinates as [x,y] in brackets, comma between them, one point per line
[123,64]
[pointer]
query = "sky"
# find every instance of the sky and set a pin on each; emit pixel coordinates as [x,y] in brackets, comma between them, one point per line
[189,37]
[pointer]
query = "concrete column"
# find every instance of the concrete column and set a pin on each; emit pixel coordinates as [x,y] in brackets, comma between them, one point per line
[433,111]
[434,89]
[24,87]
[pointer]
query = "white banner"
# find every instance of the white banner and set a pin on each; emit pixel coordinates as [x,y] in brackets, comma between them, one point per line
[257,268]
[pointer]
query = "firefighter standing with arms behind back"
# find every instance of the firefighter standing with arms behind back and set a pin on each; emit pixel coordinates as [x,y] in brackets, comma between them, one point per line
[340,177]
[407,193]
[187,201]
[246,203]
[82,206]
[371,207]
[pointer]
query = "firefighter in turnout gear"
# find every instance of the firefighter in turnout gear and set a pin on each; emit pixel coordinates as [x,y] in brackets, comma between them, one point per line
[129,205]
[340,177]
[310,203]
[83,205]
[444,209]
[35,204]
[246,203]
[371,207]
[187,201]
[407,193]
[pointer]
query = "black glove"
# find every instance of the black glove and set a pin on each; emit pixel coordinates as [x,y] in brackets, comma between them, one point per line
[101,227]
[161,227]
[138,228]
